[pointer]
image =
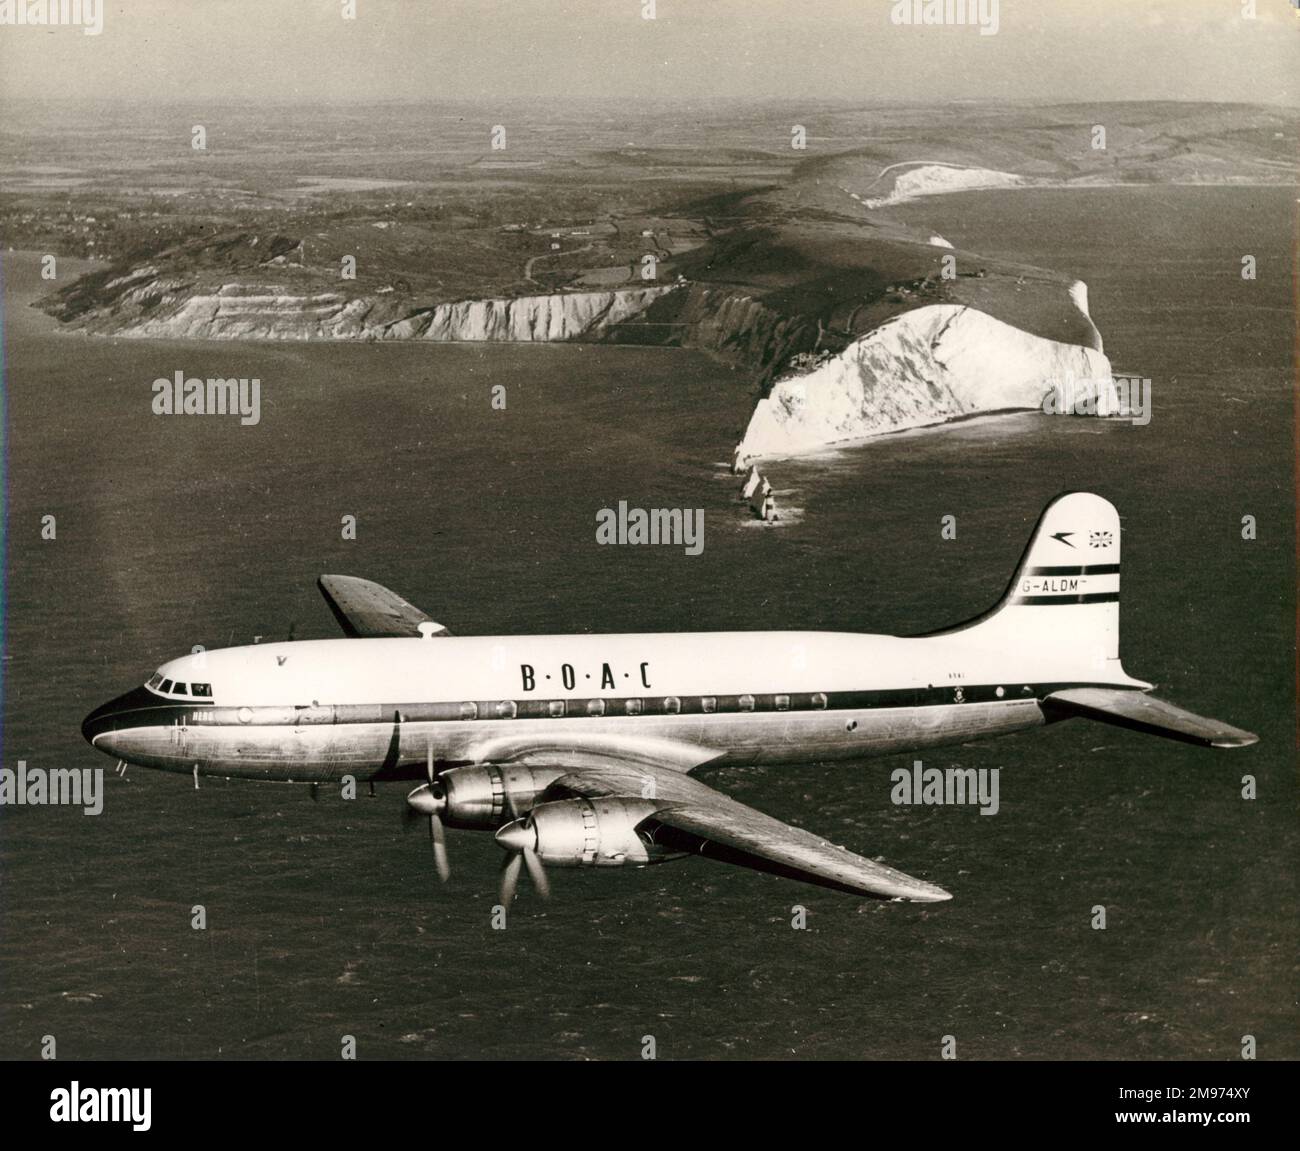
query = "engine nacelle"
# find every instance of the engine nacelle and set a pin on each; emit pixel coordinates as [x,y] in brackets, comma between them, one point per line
[488,796]
[593,832]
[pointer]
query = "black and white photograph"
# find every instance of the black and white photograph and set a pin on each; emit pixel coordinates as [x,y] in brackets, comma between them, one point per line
[462,455]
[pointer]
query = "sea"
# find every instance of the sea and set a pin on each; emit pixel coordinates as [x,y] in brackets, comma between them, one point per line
[1127,900]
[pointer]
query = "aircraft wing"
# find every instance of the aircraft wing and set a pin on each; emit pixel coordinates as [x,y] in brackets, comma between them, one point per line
[734,832]
[367,610]
[1135,709]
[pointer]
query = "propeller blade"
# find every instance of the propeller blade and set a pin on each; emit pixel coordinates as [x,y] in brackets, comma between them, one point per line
[510,877]
[537,873]
[430,766]
[438,835]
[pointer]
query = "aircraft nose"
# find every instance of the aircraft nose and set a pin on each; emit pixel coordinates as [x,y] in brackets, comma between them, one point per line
[115,713]
[96,722]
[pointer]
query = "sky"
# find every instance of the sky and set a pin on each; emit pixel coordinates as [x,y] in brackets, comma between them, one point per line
[279,51]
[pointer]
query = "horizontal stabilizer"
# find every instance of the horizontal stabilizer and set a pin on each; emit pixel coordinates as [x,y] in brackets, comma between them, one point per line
[367,610]
[1143,712]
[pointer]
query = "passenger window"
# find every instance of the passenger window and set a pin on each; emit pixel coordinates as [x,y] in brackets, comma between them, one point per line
[166,685]
[672,705]
[782,702]
[506,709]
[633,707]
[557,708]
[819,700]
[595,707]
[709,703]
[746,703]
[469,711]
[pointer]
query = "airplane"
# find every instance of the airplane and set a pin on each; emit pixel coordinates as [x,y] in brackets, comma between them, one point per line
[579,750]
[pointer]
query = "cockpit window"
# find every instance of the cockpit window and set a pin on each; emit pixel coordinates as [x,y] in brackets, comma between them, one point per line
[178,687]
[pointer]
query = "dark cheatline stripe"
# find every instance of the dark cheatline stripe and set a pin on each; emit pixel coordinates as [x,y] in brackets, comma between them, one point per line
[1067,600]
[1093,569]
[143,709]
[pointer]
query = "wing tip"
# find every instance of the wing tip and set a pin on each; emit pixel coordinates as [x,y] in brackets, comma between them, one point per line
[930,893]
[911,890]
[1236,738]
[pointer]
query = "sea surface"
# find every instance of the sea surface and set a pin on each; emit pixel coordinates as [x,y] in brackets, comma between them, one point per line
[325,920]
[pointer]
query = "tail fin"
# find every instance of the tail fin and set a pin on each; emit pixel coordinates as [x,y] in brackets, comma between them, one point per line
[1060,613]
[1059,622]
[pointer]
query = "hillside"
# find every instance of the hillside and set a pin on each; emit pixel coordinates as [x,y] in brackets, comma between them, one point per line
[778,277]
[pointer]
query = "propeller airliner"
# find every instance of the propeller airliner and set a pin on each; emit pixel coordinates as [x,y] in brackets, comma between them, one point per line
[579,750]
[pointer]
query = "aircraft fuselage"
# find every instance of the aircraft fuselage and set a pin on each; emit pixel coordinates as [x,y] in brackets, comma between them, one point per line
[319,710]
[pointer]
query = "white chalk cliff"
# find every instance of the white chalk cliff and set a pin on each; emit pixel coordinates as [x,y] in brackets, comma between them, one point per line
[938,179]
[935,363]
[928,366]
[268,312]
[559,316]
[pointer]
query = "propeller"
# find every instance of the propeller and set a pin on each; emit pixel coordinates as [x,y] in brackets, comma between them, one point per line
[520,842]
[429,799]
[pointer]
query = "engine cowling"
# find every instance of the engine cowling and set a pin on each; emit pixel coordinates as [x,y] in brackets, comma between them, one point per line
[592,832]
[487,796]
